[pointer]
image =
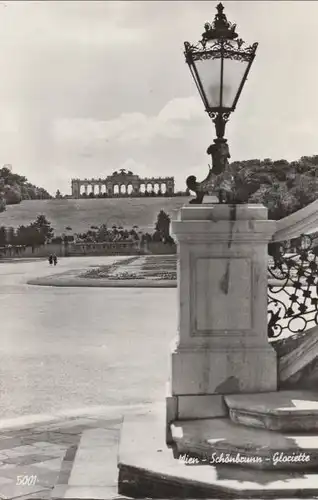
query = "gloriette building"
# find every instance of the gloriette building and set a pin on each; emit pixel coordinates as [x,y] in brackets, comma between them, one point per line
[122,184]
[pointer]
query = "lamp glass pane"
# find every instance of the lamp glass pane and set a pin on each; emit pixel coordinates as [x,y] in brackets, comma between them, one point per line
[196,80]
[233,74]
[209,71]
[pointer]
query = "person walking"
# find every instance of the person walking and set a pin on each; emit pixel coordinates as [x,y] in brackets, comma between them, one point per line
[51,260]
[54,259]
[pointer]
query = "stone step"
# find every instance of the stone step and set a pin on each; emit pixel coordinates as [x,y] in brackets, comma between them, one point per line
[218,440]
[287,411]
[149,469]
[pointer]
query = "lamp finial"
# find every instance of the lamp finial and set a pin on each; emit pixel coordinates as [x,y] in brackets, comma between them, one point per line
[220,27]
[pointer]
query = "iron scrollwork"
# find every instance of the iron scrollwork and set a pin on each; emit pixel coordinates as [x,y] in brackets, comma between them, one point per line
[293,286]
[232,50]
[223,42]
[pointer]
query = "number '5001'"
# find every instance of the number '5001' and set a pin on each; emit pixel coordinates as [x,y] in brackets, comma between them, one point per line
[26,480]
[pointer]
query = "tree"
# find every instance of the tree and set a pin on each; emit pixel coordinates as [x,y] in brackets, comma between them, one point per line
[11,236]
[57,240]
[3,236]
[134,234]
[9,177]
[157,236]
[12,194]
[102,233]
[281,186]
[44,227]
[29,236]
[163,224]
[29,193]
[21,235]
[14,187]
[2,203]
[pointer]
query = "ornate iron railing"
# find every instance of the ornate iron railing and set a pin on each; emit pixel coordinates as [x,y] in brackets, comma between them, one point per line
[293,286]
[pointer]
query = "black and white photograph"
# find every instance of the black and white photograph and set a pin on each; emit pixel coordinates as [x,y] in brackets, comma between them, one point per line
[158,249]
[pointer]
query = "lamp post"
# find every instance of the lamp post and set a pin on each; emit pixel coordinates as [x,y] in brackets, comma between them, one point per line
[219,64]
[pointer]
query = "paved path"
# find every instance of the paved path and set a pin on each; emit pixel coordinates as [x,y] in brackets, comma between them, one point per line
[62,456]
[67,352]
[63,349]
[43,462]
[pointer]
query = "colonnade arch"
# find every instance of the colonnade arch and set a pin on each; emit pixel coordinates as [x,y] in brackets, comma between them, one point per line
[122,183]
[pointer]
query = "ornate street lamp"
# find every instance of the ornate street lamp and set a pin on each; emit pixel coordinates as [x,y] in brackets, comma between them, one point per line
[219,64]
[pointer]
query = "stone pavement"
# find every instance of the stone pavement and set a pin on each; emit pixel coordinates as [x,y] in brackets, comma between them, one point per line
[38,462]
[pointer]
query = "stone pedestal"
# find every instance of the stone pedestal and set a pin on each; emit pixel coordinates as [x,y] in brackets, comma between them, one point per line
[222,345]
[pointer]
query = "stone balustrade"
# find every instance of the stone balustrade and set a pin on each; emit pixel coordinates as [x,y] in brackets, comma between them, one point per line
[104,248]
[300,222]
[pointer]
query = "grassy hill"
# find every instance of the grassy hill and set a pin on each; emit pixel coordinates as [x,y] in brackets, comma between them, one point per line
[81,214]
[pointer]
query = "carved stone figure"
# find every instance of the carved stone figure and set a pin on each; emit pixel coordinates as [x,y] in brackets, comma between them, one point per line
[220,154]
[218,179]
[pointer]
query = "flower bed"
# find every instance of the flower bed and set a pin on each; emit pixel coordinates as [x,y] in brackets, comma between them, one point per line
[106,271]
[137,268]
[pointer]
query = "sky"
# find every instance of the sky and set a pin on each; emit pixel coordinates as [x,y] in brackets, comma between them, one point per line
[90,87]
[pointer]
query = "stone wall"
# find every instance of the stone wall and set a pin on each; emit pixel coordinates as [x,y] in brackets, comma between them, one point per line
[105,248]
[81,249]
[159,248]
[38,252]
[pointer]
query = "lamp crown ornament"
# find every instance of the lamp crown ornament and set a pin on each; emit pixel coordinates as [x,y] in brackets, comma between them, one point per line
[220,28]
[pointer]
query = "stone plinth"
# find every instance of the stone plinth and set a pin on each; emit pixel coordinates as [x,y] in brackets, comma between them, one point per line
[222,344]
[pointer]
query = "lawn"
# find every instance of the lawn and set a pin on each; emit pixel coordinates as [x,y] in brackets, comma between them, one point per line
[81,214]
